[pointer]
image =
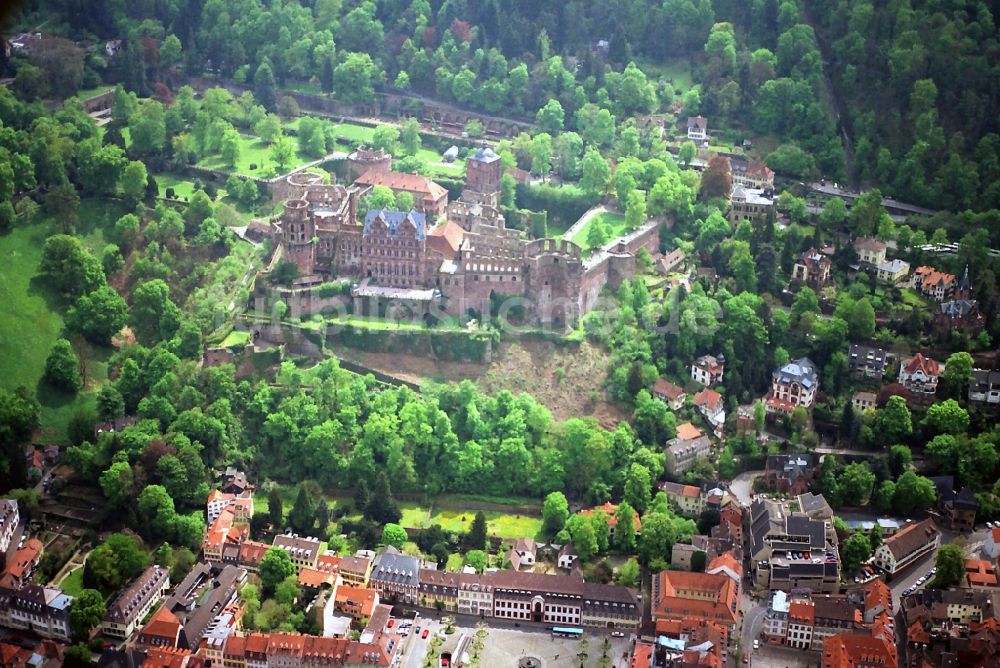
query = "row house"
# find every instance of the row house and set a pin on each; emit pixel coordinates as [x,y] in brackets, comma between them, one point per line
[708,370]
[304,550]
[439,589]
[356,570]
[21,565]
[41,610]
[133,603]
[396,576]
[907,546]
[475,595]
[792,386]
[10,525]
[224,536]
[920,374]
[241,504]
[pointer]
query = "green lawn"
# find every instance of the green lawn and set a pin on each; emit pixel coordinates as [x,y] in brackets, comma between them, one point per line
[72,584]
[505,525]
[183,186]
[235,338]
[614,224]
[252,151]
[352,132]
[31,316]
[367,322]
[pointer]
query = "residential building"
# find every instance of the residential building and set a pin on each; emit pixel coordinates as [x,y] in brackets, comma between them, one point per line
[697,130]
[475,595]
[439,589]
[241,505]
[985,386]
[41,610]
[867,361]
[163,629]
[235,482]
[708,369]
[358,602]
[395,576]
[682,451]
[751,174]
[793,385]
[522,554]
[911,543]
[749,203]
[961,313]
[801,620]
[957,508]
[223,536]
[671,262]
[980,573]
[727,564]
[681,554]
[688,499]
[21,565]
[133,603]
[709,403]
[776,619]
[10,526]
[610,511]
[608,606]
[855,650]
[812,268]
[429,198]
[303,550]
[705,596]
[991,546]
[567,556]
[870,250]
[691,642]
[670,394]
[892,271]
[356,570]
[862,401]
[920,374]
[251,552]
[935,284]
[200,599]
[947,607]
[789,549]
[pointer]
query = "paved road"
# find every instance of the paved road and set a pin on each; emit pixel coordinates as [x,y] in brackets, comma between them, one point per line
[742,484]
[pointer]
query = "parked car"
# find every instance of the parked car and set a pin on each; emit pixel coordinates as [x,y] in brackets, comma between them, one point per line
[391,622]
[617,634]
[756,644]
[425,633]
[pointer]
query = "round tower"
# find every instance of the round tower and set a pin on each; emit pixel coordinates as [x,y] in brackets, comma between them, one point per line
[365,159]
[297,233]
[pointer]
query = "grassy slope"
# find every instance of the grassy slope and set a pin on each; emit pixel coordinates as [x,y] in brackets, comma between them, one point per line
[31,317]
[614,223]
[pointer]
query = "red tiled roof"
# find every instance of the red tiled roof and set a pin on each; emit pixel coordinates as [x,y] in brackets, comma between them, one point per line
[642,655]
[849,650]
[446,238]
[911,538]
[688,432]
[932,276]
[668,389]
[314,578]
[726,560]
[359,599]
[413,183]
[680,594]
[708,398]
[920,363]
[980,573]
[163,624]
[251,552]
[610,509]
[803,612]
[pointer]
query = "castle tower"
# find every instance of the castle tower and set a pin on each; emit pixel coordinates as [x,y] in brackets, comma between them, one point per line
[297,233]
[364,159]
[483,171]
